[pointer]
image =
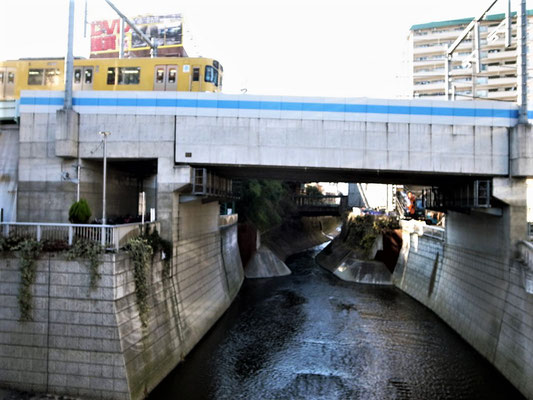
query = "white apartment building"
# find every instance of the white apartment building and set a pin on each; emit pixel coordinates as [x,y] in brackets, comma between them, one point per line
[497,79]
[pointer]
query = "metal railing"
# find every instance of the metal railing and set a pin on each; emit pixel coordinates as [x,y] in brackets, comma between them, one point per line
[111,237]
[435,232]
[421,229]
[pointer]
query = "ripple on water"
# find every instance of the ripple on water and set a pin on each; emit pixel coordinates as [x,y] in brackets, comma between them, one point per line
[311,336]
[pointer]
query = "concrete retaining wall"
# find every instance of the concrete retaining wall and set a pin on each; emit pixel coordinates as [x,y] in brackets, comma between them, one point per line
[91,343]
[9,151]
[480,294]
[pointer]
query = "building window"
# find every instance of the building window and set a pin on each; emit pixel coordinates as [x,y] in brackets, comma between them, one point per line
[35,76]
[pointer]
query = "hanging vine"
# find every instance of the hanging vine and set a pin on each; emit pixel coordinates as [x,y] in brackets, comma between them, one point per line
[159,244]
[29,251]
[141,253]
[90,251]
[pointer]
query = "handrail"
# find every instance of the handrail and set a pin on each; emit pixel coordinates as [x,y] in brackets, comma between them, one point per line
[421,229]
[111,237]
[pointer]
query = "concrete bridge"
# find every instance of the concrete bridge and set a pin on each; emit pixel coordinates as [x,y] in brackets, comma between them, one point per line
[346,139]
[159,142]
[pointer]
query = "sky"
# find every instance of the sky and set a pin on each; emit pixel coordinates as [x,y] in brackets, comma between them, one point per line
[334,48]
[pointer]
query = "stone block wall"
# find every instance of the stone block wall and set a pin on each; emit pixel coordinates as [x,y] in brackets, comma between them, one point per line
[481,296]
[72,345]
[91,343]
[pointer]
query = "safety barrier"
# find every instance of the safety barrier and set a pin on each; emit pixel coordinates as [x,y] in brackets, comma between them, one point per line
[111,237]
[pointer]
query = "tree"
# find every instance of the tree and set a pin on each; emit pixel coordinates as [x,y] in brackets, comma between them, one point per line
[264,203]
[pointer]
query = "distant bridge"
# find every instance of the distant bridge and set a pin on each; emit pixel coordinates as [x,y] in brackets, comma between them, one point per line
[321,205]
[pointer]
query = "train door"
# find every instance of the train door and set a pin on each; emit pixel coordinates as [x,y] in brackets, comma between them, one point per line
[166,78]
[83,78]
[7,83]
[196,79]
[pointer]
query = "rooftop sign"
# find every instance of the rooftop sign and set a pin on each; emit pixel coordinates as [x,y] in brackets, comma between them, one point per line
[165,30]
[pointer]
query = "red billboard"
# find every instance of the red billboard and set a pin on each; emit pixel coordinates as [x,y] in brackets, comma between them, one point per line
[164,30]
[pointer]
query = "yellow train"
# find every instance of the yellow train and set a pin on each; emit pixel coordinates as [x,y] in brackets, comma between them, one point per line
[153,74]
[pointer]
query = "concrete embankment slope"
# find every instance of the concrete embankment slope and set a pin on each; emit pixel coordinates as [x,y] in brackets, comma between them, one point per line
[293,236]
[300,234]
[348,262]
[90,343]
[471,278]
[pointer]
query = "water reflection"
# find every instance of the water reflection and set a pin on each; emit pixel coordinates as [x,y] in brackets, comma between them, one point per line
[312,336]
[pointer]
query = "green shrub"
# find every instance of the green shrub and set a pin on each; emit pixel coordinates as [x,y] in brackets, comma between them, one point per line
[79,212]
[264,203]
[361,232]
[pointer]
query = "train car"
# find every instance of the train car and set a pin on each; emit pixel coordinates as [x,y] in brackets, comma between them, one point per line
[151,74]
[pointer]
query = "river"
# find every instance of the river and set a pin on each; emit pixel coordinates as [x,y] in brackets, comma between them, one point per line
[312,336]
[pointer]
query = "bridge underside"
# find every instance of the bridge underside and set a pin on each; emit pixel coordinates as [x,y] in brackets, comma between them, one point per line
[339,175]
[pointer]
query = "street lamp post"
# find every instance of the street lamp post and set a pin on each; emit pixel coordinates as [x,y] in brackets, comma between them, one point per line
[105,135]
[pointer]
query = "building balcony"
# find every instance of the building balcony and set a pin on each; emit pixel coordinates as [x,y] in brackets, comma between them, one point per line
[510,95]
[428,74]
[498,82]
[502,55]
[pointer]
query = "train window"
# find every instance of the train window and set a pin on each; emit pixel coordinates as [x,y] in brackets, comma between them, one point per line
[215,64]
[89,76]
[195,74]
[10,77]
[1,77]
[51,77]
[220,81]
[111,73]
[160,75]
[129,75]
[209,74]
[35,76]
[77,75]
[172,75]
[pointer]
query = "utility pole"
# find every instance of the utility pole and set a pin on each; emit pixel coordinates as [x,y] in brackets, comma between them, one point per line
[70,57]
[105,135]
[521,50]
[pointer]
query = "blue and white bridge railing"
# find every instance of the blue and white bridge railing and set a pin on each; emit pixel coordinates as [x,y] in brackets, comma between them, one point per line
[480,113]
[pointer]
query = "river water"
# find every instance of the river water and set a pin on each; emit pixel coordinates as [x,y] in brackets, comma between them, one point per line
[311,336]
